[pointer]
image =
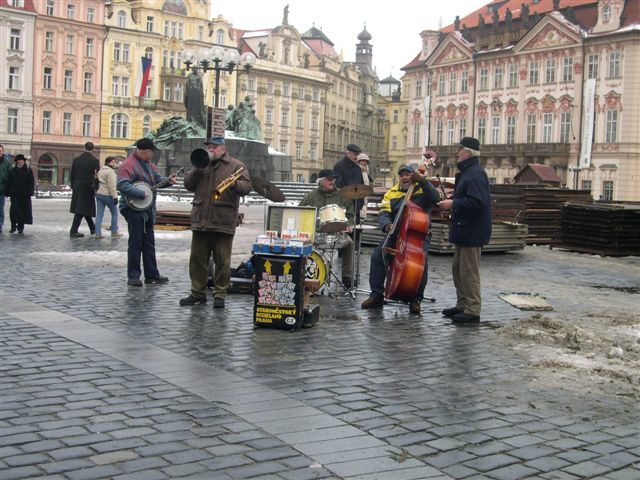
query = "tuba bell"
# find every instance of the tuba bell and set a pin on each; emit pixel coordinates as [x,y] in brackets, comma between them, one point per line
[200,158]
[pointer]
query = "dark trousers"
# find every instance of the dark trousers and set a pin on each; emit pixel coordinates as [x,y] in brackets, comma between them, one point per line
[77,218]
[141,242]
[378,272]
[205,245]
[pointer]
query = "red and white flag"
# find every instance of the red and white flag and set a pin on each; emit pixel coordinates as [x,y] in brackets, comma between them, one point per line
[144,72]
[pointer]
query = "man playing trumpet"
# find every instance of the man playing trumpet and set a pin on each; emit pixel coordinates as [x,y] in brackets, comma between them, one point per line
[217,188]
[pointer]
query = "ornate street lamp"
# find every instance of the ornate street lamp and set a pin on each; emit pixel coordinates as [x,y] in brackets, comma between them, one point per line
[219,60]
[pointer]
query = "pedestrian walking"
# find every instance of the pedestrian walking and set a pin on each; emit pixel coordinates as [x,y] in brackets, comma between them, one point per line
[470,229]
[138,167]
[5,168]
[20,187]
[107,197]
[83,200]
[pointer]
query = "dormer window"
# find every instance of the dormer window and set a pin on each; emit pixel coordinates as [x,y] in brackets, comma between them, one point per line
[606,13]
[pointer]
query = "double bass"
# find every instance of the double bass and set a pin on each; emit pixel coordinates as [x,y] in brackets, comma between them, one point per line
[411,226]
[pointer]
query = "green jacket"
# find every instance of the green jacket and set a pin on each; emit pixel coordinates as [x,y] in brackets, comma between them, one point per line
[317,198]
[5,168]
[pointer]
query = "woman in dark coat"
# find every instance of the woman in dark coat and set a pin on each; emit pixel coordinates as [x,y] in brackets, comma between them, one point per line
[20,185]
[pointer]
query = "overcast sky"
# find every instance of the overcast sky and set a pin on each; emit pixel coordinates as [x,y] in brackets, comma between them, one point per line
[394,25]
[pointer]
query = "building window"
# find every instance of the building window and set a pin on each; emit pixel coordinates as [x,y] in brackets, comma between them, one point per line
[86,125]
[48,41]
[14,78]
[119,125]
[396,116]
[166,92]
[547,128]
[298,151]
[511,130]
[200,32]
[251,84]
[47,78]
[121,20]
[313,152]
[166,28]
[462,127]
[607,190]
[149,24]
[69,45]
[115,86]
[451,125]
[483,79]
[284,147]
[495,130]
[180,31]
[116,51]
[614,64]
[482,129]
[269,86]
[88,82]
[314,122]
[441,84]
[51,5]
[567,69]
[611,135]
[513,75]
[418,89]
[394,142]
[429,85]
[220,37]
[268,117]
[146,125]
[464,82]
[284,118]
[66,123]
[439,128]
[223,99]
[148,52]
[46,122]
[12,117]
[550,71]
[91,15]
[124,87]
[453,82]
[316,95]
[533,73]
[565,127]
[71,11]
[531,128]
[14,39]
[125,52]
[88,51]
[68,80]
[301,92]
[498,74]
[586,185]
[178,93]
[592,66]
[285,89]
[300,120]
[148,90]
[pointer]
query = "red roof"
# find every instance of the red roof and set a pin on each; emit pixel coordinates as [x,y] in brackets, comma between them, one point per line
[546,173]
[320,47]
[28,5]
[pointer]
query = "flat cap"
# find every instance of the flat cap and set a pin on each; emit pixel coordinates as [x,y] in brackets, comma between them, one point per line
[145,144]
[470,142]
[326,173]
[352,147]
[406,168]
[215,141]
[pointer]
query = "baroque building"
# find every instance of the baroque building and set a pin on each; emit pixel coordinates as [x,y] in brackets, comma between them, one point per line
[395,104]
[17,24]
[67,68]
[554,83]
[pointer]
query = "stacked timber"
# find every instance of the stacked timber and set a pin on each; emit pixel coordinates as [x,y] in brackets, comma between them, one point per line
[602,229]
[505,237]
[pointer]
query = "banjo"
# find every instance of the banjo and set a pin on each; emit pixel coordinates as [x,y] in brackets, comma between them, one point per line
[142,204]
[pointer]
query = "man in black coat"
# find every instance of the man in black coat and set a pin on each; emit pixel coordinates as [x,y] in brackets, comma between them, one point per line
[348,172]
[83,200]
[470,229]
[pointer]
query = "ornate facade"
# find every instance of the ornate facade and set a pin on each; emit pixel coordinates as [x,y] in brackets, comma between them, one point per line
[522,84]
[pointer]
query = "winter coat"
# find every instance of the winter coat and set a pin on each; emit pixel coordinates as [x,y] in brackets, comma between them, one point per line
[108,180]
[216,215]
[349,173]
[425,196]
[320,198]
[83,198]
[5,167]
[20,187]
[471,211]
[132,170]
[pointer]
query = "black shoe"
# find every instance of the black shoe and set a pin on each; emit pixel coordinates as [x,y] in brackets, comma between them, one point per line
[159,279]
[191,300]
[13,230]
[450,312]
[465,318]
[372,303]
[218,302]
[134,282]
[76,235]
[414,306]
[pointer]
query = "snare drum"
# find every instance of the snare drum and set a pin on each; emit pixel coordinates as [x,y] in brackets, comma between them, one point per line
[326,241]
[316,267]
[332,219]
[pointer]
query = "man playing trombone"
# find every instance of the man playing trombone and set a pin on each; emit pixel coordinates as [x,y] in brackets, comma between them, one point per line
[218,181]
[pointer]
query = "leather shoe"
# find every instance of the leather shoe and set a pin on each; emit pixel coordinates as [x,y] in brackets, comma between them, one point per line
[372,303]
[159,279]
[191,300]
[414,306]
[76,235]
[218,302]
[450,312]
[465,318]
[134,282]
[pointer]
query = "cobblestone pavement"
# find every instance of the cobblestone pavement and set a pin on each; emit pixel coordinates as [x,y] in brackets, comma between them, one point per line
[101,380]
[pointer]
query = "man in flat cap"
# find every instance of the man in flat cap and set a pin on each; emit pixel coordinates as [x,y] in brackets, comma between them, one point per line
[348,172]
[327,194]
[214,217]
[138,167]
[425,196]
[470,229]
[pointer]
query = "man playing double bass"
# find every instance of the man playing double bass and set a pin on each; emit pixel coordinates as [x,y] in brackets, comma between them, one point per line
[424,196]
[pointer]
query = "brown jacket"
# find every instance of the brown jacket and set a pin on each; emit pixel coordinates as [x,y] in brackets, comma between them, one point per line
[219,215]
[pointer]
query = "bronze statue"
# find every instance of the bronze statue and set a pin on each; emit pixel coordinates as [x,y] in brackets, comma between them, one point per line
[194,100]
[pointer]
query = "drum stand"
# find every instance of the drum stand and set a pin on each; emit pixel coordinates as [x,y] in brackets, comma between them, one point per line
[330,252]
[355,262]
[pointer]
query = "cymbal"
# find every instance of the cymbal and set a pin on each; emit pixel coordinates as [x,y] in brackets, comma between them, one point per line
[267,189]
[353,192]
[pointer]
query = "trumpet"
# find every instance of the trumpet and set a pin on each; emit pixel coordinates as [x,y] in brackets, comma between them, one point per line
[226,183]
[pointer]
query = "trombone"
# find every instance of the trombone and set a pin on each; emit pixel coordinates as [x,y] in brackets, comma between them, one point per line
[226,183]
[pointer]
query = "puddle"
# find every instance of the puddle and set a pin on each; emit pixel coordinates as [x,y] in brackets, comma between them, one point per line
[632,290]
